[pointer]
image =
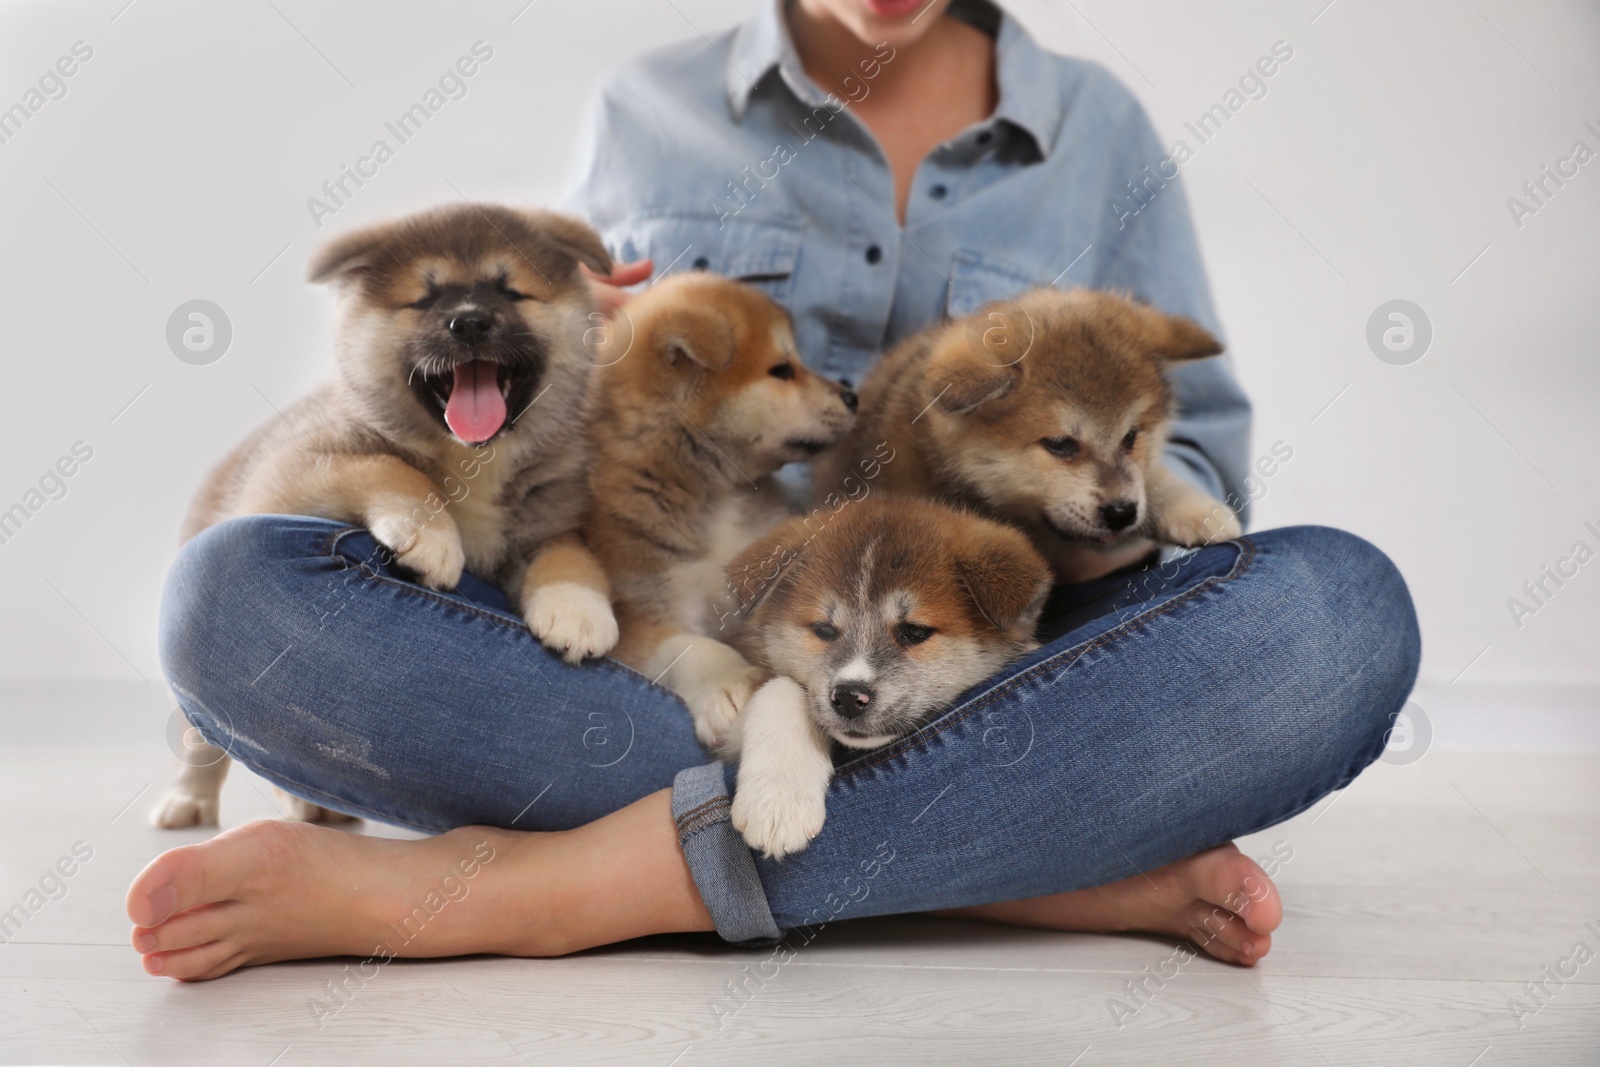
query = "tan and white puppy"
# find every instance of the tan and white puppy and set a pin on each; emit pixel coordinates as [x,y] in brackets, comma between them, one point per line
[701,397]
[1050,412]
[872,623]
[452,429]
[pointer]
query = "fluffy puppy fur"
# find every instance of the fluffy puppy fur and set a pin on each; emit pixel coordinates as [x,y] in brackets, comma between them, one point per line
[873,623]
[453,427]
[1050,412]
[702,396]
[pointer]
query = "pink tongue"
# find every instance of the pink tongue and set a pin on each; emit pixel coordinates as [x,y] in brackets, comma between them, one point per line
[476,410]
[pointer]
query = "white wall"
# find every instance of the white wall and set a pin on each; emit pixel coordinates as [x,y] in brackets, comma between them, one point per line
[1377,166]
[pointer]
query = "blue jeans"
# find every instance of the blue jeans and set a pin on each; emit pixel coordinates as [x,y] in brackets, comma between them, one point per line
[1173,708]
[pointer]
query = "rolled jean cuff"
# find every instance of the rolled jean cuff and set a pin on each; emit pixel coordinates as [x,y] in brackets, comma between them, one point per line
[722,865]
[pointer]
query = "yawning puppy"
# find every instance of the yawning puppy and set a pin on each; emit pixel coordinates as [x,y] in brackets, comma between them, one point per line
[702,396]
[1050,412]
[873,621]
[453,428]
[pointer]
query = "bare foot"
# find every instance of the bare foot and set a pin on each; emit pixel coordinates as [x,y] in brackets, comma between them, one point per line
[1219,899]
[272,890]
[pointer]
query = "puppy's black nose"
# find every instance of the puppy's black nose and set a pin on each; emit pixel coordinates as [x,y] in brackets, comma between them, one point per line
[850,699]
[471,326]
[1119,515]
[851,400]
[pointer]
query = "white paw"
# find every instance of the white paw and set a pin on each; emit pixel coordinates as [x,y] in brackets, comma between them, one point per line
[432,549]
[572,619]
[778,818]
[715,704]
[1196,519]
[297,810]
[183,807]
[780,798]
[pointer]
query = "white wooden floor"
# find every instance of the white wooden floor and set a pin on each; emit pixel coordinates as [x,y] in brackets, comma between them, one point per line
[1419,903]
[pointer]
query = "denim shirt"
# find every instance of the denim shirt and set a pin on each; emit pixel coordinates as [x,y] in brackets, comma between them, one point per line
[723,155]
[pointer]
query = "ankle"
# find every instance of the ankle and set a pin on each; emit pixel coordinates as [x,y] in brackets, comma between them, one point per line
[620,877]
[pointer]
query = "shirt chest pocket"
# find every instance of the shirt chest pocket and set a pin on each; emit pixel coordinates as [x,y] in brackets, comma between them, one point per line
[759,252]
[976,280]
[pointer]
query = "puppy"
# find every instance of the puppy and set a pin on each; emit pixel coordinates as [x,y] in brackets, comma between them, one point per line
[872,622]
[1049,412]
[701,397]
[452,429]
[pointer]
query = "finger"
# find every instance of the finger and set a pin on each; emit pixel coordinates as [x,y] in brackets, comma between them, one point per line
[622,273]
[631,273]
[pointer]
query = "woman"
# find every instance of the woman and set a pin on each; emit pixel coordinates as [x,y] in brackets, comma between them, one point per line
[874,164]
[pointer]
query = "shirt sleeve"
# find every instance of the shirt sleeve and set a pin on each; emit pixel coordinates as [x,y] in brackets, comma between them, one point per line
[1152,253]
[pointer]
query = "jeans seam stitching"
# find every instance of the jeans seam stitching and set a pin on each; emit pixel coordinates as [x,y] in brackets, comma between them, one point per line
[413,589]
[688,829]
[698,808]
[1240,566]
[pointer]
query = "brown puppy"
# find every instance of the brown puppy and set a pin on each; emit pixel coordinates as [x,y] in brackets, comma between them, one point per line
[453,428]
[874,622]
[1050,412]
[702,396]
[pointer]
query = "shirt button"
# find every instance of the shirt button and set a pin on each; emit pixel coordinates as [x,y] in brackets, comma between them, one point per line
[874,253]
[701,263]
[938,192]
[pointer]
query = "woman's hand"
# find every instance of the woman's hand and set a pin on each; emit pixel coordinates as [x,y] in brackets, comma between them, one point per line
[608,290]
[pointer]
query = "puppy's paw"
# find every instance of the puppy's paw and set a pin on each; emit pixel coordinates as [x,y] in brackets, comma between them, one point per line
[183,806]
[432,550]
[778,818]
[780,799]
[716,702]
[573,620]
[297,810]
[1194,519]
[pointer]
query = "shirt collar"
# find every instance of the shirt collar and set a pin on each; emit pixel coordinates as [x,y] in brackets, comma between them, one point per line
[759,45]
[1030,95]
[1030,87]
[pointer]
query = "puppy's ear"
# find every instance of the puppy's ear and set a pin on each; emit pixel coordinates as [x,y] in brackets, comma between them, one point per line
[1173,338]
[1006,577]
[963,372]
[345,257]
[571,238]
[698,334]
[769,563]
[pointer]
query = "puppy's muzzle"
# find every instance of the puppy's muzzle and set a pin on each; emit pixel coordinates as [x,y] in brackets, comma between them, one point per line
[852,699]
[1119,515]
[471,327]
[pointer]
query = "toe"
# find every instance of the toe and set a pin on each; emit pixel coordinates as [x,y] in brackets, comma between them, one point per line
[206,873]
[154,895]
[196,926]
[1225,876]
[1220,933]
[197,963]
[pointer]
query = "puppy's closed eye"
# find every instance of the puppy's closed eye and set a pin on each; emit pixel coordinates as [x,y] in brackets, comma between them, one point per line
[1062,447]
[503,286]
[427,300]
[911,633]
